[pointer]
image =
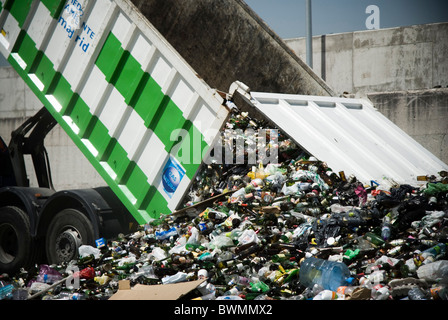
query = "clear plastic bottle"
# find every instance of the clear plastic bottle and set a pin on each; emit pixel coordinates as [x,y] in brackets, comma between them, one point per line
[380,292]
[433,253]
[146,271]
[386,229]
[235,279]
[5,290]
[328,295]
[329,274]
[417,293]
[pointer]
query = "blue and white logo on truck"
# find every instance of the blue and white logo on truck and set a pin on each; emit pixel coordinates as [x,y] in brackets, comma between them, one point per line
[172,176]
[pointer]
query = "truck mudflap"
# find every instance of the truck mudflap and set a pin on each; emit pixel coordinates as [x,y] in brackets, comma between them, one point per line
[350,135]
[127,99]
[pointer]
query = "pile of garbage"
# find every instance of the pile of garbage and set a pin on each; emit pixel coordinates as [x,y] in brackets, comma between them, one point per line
[294,230]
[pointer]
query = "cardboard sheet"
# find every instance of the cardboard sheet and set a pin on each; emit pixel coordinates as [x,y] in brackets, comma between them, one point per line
[157,292]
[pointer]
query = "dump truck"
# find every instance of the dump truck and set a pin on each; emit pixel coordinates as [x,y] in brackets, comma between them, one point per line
[128,101]
[146,118]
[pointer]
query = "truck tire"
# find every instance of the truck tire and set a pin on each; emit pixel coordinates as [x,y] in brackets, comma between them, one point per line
[16,244]
[67,231]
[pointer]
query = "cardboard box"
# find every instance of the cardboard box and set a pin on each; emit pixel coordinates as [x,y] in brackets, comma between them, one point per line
[173,291]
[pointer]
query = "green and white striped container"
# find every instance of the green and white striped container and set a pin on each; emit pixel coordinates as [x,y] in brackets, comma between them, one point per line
[127,99]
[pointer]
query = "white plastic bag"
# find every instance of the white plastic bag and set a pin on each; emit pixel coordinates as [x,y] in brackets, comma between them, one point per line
[248,236]
[158,254]
[86,250]
[221,241]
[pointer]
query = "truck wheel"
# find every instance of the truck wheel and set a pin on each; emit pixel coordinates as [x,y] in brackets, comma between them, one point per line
[68,230]
[16,246]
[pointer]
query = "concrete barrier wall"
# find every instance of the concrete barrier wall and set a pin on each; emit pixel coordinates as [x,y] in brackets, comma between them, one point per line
[397,70]
[422,114]
[405,58]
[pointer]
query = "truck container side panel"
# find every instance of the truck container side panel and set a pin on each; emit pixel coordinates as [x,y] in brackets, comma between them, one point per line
[19,9]
[54,6]
[128,101]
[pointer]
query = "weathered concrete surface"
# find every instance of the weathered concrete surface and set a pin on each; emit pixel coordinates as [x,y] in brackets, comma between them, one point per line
[422,114]
[395,59]
[16,99]
[396,68]
[224,41]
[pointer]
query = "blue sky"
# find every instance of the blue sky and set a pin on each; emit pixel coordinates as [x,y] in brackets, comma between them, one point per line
[287,17]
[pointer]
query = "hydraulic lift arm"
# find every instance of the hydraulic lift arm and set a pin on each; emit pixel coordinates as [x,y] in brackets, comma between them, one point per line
[37,128]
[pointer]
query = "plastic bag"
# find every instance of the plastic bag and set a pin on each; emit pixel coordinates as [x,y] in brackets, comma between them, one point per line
[158,254]
[221,241]
[86,250]
[179,246]
[291,190]
[248,236]
[435,271]
[178,277]
[48,275]
[435,188]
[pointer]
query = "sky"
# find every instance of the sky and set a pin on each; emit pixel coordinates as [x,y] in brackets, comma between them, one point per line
[287,17]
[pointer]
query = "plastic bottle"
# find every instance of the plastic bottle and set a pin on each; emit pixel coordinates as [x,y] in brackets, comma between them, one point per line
[66,296]
[234,234]
[258,172]
[20,294]
[5,290]
[386,229]
[432,254]
[48,274]
[439,293]
[229,297]
[235,279]
[259,286]
[346,290]
[329,274]
[165,234]
[328,295]
[417,294]
[102,280]
[380,292]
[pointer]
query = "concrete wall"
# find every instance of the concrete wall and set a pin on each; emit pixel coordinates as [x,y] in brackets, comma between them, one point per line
[405,58]
[422,114]
[397,70]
